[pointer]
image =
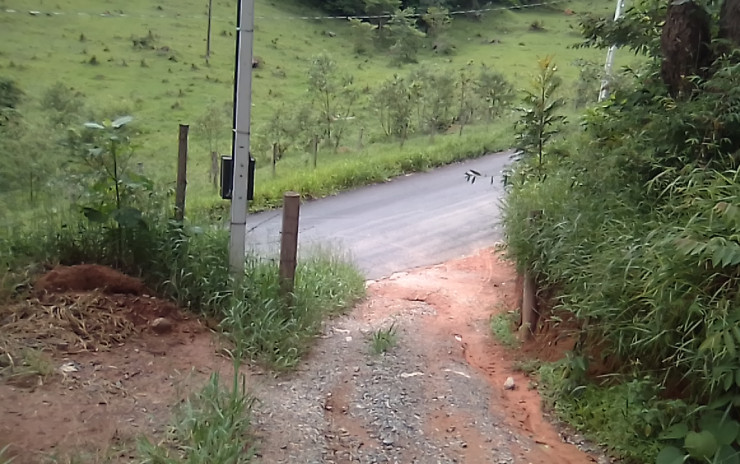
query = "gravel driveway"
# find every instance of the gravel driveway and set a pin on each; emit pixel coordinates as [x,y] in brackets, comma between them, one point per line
[437,396]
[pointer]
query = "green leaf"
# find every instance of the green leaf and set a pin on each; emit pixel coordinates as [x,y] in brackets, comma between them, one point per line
[701,445]
[670,455]
[726,455]
[710,343]
[729,343]
[94,215]
[674,432]
[728,432]
[724,430]
[128,217]
[122,121]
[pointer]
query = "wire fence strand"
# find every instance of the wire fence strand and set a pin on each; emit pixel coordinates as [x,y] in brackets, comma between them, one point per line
[121,14]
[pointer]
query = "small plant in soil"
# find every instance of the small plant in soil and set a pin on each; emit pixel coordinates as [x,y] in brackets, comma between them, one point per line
[30,366]
[211,427]
[502,325]
[527,366]
[384,339]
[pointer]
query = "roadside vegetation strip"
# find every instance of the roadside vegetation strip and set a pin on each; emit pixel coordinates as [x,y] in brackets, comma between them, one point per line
[635,234]
[190,266]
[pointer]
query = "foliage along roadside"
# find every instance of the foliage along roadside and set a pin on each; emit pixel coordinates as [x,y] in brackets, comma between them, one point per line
[121,221]
[636,234]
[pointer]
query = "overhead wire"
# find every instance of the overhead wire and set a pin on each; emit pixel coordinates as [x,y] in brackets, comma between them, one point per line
[118,13]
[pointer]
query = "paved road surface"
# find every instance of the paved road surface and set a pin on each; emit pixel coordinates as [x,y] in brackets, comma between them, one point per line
[411,221]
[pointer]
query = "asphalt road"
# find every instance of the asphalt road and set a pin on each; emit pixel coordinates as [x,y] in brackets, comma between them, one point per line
[411,221]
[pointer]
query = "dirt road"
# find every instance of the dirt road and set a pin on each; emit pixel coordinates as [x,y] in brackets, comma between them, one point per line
[437,396]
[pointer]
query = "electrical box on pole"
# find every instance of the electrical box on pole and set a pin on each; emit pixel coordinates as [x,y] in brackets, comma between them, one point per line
[227,178]
[241,182]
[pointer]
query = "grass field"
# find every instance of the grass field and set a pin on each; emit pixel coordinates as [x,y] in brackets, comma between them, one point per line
[89,45]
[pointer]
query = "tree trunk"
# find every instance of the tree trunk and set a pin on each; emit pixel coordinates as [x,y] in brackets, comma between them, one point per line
[684,43]
[729,21]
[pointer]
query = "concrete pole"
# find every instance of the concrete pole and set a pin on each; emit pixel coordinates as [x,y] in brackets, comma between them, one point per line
[240,145]
[604,91]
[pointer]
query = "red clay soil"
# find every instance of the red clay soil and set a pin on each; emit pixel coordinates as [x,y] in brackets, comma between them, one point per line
[87,277]
[465,294]
[119,359]
[99,400]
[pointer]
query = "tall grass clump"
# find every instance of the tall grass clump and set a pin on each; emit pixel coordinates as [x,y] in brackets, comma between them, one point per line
[277,329]
[211,426]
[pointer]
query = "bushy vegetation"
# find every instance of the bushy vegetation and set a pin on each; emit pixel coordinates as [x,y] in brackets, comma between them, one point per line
[633,225]
[119,218]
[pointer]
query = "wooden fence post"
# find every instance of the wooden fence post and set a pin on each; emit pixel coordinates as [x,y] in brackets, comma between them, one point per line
[315,150]
[289,241]
[530,314]
[182,170]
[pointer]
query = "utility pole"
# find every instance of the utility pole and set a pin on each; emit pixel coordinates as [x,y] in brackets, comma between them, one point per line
[208,34]
[604,91]
[240,140]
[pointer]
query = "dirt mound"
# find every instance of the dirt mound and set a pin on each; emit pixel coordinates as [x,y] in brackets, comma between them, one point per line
[88,277]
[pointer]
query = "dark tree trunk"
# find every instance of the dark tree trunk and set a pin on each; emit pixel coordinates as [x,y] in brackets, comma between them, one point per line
[729,21]
[684,43]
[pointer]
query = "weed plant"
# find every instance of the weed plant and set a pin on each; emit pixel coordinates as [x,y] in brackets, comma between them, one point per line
[502,327]
[210,427]
[383,340]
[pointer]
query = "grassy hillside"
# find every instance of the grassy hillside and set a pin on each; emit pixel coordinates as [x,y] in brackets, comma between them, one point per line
[90,46]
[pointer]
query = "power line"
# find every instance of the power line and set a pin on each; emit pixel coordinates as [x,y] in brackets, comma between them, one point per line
[121,14]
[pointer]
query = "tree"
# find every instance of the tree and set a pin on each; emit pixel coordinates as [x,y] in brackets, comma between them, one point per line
[362,35]
[308,126]
[729,22]
[433,91]
[539,120]
[210,127]
[381,9]
[437,20]
[63,106]
[684,44]
[393,105]
[406,38]
[333,94]
[279,133]
[493,91]
[466,96]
